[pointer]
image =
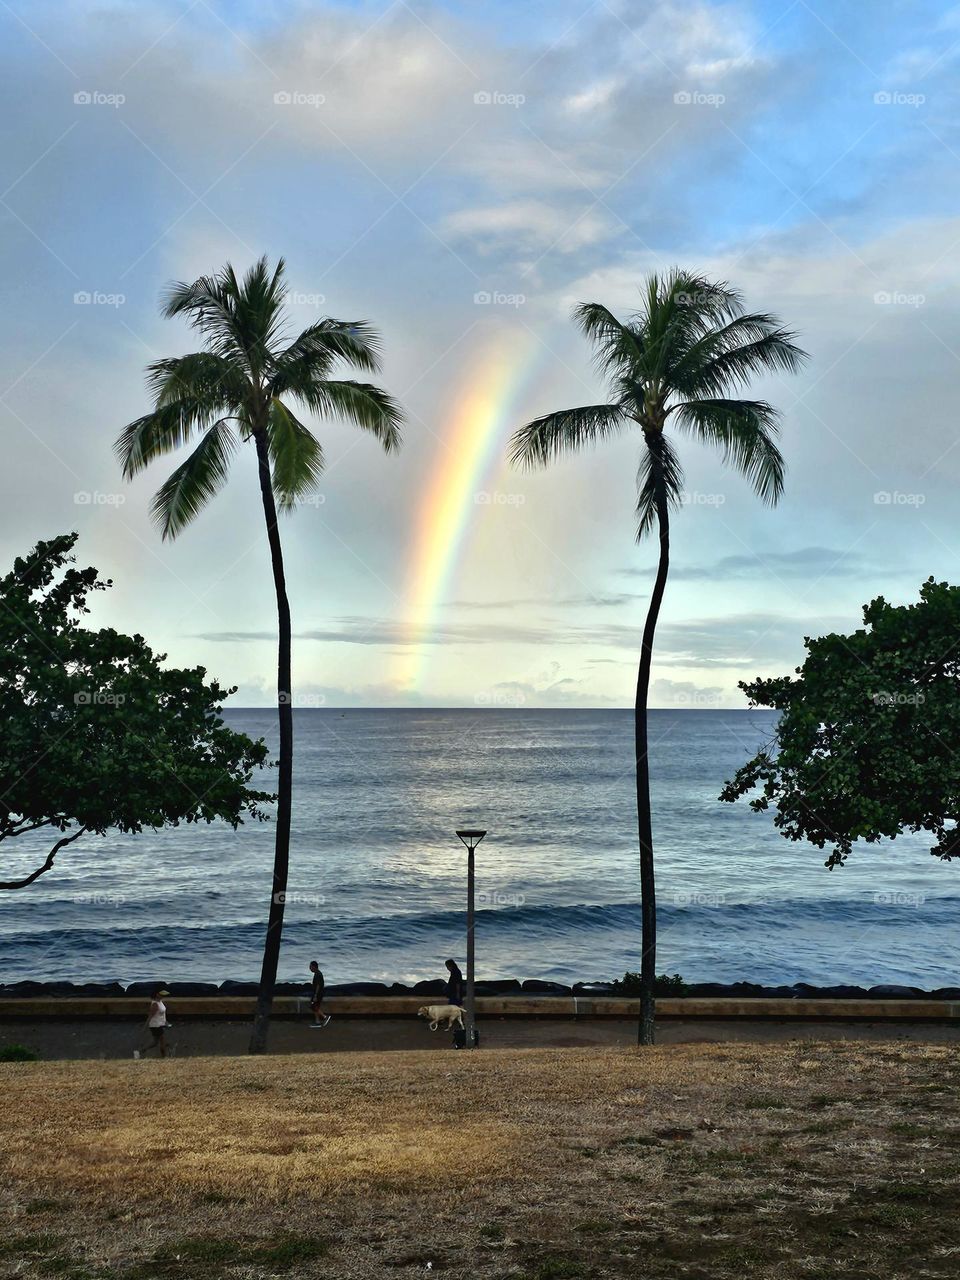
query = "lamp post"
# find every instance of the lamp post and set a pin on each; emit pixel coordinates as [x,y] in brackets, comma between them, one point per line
[471,839]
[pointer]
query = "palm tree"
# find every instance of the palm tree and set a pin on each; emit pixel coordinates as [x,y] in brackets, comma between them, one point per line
[237,390]
[674,363]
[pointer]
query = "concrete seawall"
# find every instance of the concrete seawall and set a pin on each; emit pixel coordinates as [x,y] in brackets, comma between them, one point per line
[563,1007]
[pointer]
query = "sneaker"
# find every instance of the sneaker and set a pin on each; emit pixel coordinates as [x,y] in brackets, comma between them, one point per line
[315,1026]
[325,1020]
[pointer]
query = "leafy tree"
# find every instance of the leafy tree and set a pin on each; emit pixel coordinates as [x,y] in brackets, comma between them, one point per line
[238,390]
[671,366]
[97,734]
[866,746]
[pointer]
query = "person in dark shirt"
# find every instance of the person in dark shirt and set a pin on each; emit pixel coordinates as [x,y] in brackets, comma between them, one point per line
[320,1019]
[454,983]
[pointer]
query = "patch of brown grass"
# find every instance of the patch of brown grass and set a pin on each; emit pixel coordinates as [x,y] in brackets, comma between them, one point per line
[694,1160]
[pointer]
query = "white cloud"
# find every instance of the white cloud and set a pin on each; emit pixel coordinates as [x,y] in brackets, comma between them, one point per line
[589,100]
[526,224]
[684,694]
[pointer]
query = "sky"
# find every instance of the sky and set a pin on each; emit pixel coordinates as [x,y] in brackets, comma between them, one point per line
[461,175]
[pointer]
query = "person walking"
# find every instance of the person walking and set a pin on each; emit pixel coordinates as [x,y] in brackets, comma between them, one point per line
[157,1024]
[455,994]
[320,1018]
[455,984]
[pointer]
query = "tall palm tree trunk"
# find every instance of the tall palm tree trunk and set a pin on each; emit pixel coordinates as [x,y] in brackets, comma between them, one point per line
[281,857]
[648,889]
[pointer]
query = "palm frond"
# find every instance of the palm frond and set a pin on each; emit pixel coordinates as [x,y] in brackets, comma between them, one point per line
[296,458]
[259,310]
[240,378]
[750,345]
[208,303]
[565,431]
[714,302]
[313,353]
[241,320]
[681,308]
[189,393]
[202,377]
[659,477]
[188,489]
[617,346]
[366,406]
[163,431]
[745,430]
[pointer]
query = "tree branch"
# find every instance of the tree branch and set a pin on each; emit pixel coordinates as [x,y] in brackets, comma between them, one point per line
[13,830]
[35,875]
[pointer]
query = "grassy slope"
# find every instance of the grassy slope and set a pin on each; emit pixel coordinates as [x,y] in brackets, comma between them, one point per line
[796,1160]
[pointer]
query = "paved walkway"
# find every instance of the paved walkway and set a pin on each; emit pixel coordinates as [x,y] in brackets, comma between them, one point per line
[118,1039]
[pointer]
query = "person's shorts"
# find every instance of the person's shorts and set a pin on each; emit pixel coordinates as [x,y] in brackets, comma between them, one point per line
[157,1032]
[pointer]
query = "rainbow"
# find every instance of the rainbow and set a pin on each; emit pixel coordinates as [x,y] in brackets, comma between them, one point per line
[472,449]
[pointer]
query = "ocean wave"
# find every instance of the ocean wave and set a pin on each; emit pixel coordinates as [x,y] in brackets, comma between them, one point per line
[527,920]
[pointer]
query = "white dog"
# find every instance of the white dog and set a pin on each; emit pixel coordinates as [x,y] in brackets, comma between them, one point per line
[437,1013]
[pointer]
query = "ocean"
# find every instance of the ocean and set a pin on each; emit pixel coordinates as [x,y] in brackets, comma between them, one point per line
[377,883]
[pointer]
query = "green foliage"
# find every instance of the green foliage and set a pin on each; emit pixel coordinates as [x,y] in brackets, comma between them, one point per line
[236,390]
[97,734]
[664,985]
[18,1053]
[866,744]
[675,363]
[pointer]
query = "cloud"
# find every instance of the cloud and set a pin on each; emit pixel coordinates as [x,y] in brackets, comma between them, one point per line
[527,225]
[312,695]
[391,197]
[685,694]
[805,562]
[607,600]
[547,688]
[732,640]
[739,641]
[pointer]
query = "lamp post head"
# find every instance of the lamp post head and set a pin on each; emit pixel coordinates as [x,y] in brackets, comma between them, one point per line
[471,838]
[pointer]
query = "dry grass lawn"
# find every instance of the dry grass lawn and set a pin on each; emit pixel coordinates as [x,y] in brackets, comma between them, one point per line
[781,1160]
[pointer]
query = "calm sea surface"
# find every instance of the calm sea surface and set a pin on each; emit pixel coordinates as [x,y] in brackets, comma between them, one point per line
[377,879]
